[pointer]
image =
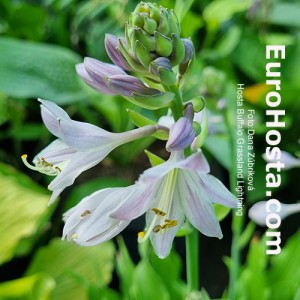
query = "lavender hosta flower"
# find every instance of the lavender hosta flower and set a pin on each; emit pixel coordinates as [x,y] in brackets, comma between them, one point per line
[258,213]
[79,147]
[177,189]
[287,159]
[168,193]
[111,79]
[181,132]
[88,223]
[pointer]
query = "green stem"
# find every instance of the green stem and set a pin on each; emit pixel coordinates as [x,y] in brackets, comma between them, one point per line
[192,239]
[237,221]
[192,260]
[177,103]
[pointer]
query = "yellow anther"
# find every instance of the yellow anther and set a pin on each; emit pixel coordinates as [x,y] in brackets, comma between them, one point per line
[157,228]
[170,223]
[158,212]
[85,213]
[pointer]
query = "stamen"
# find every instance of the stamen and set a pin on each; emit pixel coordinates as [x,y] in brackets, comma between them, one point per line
[170,223]
[42,166]
[141,235]
[158,212]
[85,213]
[157,228]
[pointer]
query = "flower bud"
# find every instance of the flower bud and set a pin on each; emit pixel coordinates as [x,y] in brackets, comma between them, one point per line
[162,68]
[182,132]
[151,32]
[258,212]
[212,83]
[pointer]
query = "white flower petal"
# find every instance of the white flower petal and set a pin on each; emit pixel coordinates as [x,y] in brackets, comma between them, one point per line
[195,162]
[89,224]
[289,160]
[84,136]
[136,204]
[258,212]
[162,240]
[80,162]
[196,204]
[216,191]
[55,153]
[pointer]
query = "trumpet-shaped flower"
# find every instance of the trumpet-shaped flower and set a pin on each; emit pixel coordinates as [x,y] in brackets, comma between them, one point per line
[258,213]
[287,159]
[88,223]
[169,193]
[110,79]
[79,146]
[177,189]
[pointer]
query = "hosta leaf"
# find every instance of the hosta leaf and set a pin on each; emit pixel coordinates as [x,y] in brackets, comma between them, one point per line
[140,121]
[74,268]
[23,206]
[32,70]
[35,287]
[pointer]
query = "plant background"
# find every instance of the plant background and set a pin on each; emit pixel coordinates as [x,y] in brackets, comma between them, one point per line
[40,43]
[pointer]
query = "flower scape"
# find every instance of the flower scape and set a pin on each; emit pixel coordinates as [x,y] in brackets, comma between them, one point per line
[151,64]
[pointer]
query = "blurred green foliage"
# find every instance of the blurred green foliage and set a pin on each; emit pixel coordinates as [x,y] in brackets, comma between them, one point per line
[40,43]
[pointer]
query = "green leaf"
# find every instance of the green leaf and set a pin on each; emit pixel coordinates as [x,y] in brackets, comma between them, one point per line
[147,285]
[255,53]
[152,102]
[221,211]
[285,14]
[125,268]
[182,7]
[23,205]
[228,42]
[198,103]
[27,21]
[246,235]
[219,11]
[169,270]
[214,143]
[140,121]
[66,262]
[154,159]
[35,287]
[40,70]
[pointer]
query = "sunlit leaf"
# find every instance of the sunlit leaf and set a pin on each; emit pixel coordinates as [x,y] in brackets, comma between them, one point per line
[67,264]
[147,285]
[35,287]
[23,206]
[40,70]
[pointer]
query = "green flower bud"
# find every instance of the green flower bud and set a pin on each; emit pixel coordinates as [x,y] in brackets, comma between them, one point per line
[162,68]
[153,32]
[212,82]
[163,45]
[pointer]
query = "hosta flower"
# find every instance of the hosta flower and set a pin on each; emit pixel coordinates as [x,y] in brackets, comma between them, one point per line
[88,223]
[287,159]
[177,189]
[169,193]
[110,79]
[258,212]
[79,146]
